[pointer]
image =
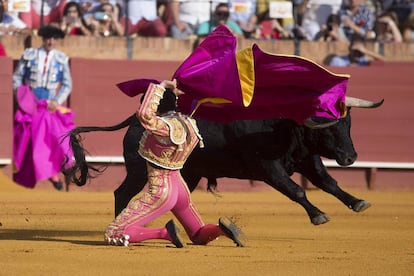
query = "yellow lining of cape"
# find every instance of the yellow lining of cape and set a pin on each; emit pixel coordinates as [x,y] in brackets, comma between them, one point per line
[209,100]
[245,67]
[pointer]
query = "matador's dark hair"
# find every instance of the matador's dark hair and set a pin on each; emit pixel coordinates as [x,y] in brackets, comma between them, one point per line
[167,103]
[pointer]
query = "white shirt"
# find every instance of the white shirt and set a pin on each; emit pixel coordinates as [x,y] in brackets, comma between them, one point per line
[11,20]
[139,9]
[316,15]
[41,63]
[197,11]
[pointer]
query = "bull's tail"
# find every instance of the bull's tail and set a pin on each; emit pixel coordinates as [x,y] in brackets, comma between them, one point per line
[81,171]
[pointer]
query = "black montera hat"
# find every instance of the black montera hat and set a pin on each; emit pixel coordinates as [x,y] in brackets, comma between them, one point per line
[49,31]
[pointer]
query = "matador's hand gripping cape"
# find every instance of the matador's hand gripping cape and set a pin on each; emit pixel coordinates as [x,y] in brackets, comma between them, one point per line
[222,84]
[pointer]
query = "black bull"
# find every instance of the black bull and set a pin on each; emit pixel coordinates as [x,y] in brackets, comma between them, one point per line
[264,150]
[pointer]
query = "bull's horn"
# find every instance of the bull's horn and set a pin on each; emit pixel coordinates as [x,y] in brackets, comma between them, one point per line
[355,102]
[311,123]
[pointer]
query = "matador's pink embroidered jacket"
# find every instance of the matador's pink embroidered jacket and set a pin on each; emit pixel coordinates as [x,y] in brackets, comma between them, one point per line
[169,138]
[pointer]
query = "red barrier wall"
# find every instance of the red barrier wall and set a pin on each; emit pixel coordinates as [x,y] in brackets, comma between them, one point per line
[382,134]
[96,100]
[6,107]
[385,133]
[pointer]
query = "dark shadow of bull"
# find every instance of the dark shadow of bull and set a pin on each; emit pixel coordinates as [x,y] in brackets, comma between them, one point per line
[263,150]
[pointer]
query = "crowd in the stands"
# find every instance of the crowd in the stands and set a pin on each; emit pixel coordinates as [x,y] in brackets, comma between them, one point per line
[351,21]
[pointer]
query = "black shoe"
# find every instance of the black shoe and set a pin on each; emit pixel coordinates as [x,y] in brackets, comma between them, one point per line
[57,184]
[232,231]
[173,231]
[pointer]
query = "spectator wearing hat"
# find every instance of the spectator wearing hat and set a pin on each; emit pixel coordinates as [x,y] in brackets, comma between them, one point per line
[42,83]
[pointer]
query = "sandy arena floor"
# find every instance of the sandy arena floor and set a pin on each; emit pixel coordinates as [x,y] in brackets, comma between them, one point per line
[61,233]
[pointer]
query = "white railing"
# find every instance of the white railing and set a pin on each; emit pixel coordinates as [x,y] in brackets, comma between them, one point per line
[370,167]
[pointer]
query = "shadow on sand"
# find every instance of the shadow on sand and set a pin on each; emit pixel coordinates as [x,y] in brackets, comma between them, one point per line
[50,235]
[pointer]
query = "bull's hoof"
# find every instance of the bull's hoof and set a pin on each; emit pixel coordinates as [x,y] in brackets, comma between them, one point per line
[320,219]
[361,205]
[232,231]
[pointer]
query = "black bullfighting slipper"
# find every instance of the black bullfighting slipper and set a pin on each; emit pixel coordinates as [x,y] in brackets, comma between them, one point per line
[57,184]
[232,231]
[173,231]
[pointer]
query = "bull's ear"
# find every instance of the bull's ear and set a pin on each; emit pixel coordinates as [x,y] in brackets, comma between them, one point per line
[319,122]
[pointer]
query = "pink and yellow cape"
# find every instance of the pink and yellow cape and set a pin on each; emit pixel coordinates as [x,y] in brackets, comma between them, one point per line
[222,84]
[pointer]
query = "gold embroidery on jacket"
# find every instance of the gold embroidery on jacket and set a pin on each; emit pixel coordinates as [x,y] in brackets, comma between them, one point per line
[177,130]
[164,160]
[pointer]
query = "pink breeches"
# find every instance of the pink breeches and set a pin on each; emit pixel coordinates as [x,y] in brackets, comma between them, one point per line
[166,191]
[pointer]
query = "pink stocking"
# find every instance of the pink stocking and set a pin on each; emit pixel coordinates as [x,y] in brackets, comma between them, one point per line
[55,178]
[206,234]
[139,233]
[187,214]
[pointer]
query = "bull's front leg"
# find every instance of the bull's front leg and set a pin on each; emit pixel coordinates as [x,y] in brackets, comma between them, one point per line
[133,183]
[314,170]
[277,177]
[136,168]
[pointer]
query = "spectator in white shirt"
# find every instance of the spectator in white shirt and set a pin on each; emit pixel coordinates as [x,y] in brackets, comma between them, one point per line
[9,23]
